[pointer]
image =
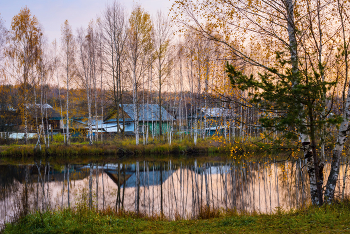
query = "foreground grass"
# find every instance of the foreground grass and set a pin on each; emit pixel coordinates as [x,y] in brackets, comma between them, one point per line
[327,219]
[128,147]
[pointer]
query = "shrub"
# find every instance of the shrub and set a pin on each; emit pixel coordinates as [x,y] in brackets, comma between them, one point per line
[59,138]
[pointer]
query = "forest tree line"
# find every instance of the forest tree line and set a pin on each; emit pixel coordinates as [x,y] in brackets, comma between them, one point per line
[119,58]
[283,62]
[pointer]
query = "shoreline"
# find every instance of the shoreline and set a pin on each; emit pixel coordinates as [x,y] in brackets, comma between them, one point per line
[126,148]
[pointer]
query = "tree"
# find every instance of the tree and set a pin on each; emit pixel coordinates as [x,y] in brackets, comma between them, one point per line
[161,37]
[25,51]
[343,65]
[299,33]
[114,29]
[3,34]
[68,48]
[140,47]
[101,70]
[299,106]
[56,65]
[87,75]
[44,69]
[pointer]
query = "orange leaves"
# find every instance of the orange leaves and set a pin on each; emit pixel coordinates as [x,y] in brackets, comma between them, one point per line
[140,27]
[22,22]
[25,40]
[67,34]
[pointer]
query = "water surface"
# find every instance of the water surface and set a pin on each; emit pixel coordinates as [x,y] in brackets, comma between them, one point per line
[176,189]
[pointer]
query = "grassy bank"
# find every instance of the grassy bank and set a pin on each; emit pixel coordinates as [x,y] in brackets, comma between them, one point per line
[327,219]
[128,147]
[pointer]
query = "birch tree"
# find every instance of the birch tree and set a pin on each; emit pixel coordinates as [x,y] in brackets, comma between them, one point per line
[44,69]
[5,101]
[290,34]
[342,7]
[56,66]
[139,46]
[162,38]
[114,29]
[68,49]
[86,41]
[24,50]
[3,34]
[100,56]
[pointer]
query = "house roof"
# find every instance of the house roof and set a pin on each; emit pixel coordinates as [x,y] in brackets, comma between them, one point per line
[51,113]
[218,169]
[102,127]
[152,178]
[106,127]
[215,112]
[147,112]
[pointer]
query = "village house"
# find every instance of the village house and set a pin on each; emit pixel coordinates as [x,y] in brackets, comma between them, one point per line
[211,120]
[45,114]
[148,119]
[43,117]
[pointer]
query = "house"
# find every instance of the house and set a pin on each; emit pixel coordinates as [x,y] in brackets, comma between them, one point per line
[148,119]
[80,126]
[10,119]
[129,177]
[17,172]
[51,118]
[77,126]
[213,120]
[42,116]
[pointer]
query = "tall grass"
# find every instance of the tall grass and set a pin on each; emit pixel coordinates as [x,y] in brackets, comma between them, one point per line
[128,147]
[328,219]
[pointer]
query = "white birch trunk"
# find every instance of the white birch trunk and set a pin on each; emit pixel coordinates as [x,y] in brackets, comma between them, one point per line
[68,186]
[134,101]
[67,102]
[336,154]
[342,134]
[89,109]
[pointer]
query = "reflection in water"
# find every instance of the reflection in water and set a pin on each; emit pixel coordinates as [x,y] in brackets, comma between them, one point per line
[174,190]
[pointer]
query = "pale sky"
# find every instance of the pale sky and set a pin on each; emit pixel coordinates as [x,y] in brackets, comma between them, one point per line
[52,13]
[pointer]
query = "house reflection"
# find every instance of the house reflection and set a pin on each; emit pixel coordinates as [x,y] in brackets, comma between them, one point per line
[154,187]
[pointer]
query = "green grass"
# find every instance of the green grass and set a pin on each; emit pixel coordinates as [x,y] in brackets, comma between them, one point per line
[327,219]
[127,147]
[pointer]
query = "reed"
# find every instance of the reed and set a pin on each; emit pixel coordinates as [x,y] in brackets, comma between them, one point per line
[127,147]
[328,218]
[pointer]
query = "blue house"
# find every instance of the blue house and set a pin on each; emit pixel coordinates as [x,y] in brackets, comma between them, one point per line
[148,118]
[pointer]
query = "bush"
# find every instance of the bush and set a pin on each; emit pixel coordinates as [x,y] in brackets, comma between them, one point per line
[59,138]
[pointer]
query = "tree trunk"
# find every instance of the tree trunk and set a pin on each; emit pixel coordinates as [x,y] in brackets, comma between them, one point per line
[67,104]
[338,148]
[134,100]
[343,129]
[315,173]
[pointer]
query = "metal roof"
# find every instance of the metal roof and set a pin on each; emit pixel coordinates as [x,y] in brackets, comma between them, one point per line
[147,112]
[47,111]
[152,178]
[215,112]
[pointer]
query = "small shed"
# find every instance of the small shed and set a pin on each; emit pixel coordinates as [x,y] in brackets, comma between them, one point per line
[51,118]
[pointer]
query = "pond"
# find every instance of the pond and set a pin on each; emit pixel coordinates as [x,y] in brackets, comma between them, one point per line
[175,188]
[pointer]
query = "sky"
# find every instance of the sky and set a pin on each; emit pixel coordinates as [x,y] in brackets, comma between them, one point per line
[52,13]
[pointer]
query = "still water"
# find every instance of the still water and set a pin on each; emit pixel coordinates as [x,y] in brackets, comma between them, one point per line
[174,188]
